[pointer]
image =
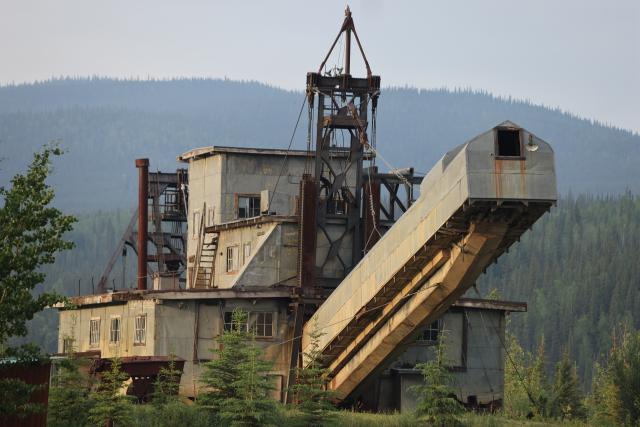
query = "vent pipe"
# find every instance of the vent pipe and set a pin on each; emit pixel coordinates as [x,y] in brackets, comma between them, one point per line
[143,220]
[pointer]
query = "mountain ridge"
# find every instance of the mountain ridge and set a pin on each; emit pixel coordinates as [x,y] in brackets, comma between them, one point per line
[105,124]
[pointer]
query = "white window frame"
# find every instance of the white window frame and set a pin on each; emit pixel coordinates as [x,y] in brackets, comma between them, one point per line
[227,320]
[94,332]
[233,253]
[115,334]
[260,321]
[140,330]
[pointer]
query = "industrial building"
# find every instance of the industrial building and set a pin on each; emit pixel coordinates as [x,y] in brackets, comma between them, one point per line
[320,238]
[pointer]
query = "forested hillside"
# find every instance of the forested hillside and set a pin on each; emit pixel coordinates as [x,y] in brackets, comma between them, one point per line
[578,271]
[104,124]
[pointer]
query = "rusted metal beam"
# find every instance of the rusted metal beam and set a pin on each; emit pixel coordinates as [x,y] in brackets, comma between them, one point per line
[143,220]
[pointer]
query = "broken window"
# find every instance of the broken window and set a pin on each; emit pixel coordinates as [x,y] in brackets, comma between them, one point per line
[431,333]
[94,332]
[508,143]
[140,337]
[232,259]
[114,332]
[262,324]
[248,206]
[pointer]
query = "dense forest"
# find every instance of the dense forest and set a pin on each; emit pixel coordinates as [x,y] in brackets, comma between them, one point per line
[105,124]
[577,271]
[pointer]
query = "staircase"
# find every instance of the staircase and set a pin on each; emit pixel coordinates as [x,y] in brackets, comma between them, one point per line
[205,268]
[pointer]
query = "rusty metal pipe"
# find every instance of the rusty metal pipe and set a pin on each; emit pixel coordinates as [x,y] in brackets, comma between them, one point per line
[143,220]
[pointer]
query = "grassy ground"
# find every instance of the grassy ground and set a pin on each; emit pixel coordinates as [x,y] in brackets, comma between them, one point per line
[356,419]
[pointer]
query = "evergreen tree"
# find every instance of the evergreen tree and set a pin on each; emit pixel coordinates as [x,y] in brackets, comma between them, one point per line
[517,402]
[567,398]
[538,384]
[167,384]
[236,381]
[624,368]
[437,404]
[69,399]
[313,399]
[603,400]
[111,407]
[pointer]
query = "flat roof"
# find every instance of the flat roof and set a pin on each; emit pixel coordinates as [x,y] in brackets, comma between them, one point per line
[202,152]
[121,297]
[213,150]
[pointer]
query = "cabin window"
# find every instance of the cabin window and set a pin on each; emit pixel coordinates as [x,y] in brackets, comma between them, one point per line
[228,322]
[262,324]
[431,333]
[67,345]
[508,143]
[140,337]
[246,252]
[232,259]
[248,206]
[94,332]
[114,332]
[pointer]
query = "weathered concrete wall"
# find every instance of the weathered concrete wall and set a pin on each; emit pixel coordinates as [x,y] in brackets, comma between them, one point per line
[176,332]
[475,355]
[76,323]
[205,178]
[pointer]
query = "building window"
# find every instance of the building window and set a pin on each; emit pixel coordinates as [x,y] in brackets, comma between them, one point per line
[94,332]
[67,345]
[508,143]
[248,206]
[232,259]
[114,332]
[140,337]
[228,322]
[262,324]
[246,252]
[431,333]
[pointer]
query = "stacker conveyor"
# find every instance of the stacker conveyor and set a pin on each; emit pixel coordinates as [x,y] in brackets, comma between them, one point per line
[475,202]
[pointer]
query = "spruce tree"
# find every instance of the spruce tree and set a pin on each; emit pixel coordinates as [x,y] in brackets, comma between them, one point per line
[69,394]
[538,384]
[313,399]
[437,404]
[167,384]
[624,369]
[111,407]
[567,398]
[236,381]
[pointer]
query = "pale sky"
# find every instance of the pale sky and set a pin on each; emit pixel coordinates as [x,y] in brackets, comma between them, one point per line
[580,55]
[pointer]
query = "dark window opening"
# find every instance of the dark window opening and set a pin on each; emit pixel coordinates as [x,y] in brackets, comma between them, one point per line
[508,143]
[431,333]
[248,206]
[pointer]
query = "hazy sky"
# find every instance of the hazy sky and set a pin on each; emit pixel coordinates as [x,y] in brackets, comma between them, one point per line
[580,55]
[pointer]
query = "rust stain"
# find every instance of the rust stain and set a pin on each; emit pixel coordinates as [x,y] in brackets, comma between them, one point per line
[523,176]
[498,175]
